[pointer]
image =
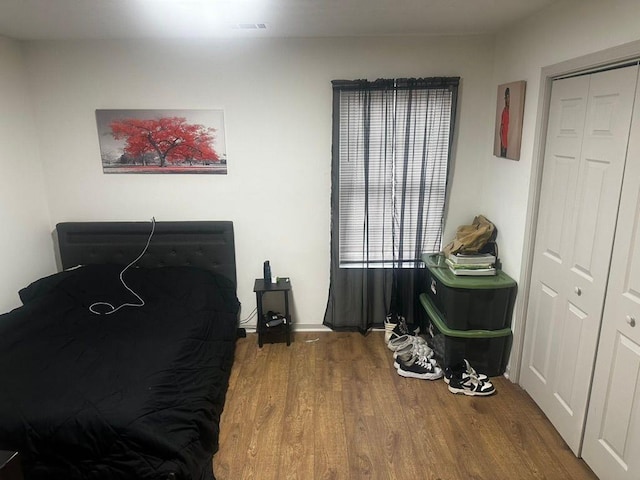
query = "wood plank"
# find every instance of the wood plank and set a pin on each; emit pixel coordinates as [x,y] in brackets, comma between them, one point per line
[331,407]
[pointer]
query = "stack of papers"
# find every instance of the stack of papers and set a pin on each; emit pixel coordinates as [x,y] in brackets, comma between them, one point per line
[479,264]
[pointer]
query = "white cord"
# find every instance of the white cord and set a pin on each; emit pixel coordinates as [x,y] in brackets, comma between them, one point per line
[141,304]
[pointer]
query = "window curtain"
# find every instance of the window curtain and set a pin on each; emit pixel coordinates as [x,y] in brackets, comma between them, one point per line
[390,156]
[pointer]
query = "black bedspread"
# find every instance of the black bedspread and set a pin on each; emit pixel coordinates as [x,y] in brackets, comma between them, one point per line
[133,395]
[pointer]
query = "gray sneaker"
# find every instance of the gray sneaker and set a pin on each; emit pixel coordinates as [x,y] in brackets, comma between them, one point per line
[398,342]
[405,352]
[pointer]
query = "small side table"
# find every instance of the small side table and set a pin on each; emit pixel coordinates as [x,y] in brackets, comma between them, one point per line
[10,468]
[260,288]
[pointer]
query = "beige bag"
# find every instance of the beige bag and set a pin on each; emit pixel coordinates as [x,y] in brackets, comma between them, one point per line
[472,238]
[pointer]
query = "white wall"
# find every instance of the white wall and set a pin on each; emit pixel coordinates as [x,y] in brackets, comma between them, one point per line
[559,33]
[25,241]
[277,100]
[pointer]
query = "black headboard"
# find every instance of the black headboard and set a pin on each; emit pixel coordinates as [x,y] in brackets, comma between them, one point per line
[208,245]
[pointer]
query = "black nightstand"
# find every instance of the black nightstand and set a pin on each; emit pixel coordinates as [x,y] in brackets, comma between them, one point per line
[260,287]
[10,468]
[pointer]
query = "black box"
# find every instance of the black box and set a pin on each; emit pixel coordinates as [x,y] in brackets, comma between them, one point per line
[486,350]
[473,302]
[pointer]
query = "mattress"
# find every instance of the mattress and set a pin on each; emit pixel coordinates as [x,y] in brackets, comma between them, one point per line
[136,394]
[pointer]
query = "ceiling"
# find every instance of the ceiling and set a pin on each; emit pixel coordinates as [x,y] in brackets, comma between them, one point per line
[120,19]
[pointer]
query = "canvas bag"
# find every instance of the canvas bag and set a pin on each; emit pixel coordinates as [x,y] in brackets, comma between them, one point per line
[472,238]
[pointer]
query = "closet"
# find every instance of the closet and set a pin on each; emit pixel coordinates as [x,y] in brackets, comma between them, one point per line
[585,281]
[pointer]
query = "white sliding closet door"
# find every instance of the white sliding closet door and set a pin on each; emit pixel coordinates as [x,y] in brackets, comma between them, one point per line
[612,435]
[586,146]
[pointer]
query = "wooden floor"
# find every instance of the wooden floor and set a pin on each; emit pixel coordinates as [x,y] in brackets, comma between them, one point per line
[331,406]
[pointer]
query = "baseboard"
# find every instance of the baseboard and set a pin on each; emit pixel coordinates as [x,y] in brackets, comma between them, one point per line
[301,327]
[297,327]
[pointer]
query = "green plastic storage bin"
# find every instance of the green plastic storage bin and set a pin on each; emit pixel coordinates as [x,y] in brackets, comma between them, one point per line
[486,350]
[470,302]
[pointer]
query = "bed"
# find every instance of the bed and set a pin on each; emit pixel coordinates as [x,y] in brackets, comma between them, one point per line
[136,394]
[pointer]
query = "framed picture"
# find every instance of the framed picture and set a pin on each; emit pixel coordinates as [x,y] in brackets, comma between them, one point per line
[162,141]
[509,114]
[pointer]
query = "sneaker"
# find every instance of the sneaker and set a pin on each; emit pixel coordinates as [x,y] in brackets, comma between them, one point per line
[398,329]
[389,326]
[403,340]
[469,385]
[397,361]
[419,367]
[405,352]
[466,368]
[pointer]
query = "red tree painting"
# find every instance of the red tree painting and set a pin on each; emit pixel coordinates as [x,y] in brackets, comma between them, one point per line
[162,141]
[167,140]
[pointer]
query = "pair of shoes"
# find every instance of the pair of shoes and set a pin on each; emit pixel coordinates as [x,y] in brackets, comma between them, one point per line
[408,346]
[466,368]
[469,385]
[396,326]
[418,366]
[462,378]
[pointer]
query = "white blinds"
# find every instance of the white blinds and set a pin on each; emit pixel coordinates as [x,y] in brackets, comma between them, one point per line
[393,156]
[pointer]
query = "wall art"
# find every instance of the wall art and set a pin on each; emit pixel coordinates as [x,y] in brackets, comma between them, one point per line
[509,116]
[162,141]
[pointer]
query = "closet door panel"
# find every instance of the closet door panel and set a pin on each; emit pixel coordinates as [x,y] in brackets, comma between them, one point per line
[573,336]
[547,294]
[546,305]
[574,239]
[619,406]
[591,218]
[612,434]
[563,173]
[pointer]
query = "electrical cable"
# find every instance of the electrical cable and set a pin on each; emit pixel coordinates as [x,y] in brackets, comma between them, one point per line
[141,304]
[251,315]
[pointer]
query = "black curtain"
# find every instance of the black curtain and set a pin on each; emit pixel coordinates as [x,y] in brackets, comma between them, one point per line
[391,151]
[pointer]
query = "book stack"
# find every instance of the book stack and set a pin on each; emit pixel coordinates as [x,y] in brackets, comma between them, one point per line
[476,264]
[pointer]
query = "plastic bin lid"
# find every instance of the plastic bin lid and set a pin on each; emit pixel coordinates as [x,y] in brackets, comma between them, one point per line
[436,318]
[436,264]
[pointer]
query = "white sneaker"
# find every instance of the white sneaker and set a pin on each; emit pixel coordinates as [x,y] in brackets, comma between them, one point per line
[388,328]
[399,342]
[407,351]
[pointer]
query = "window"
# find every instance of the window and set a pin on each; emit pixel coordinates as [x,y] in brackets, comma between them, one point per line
[391,144]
